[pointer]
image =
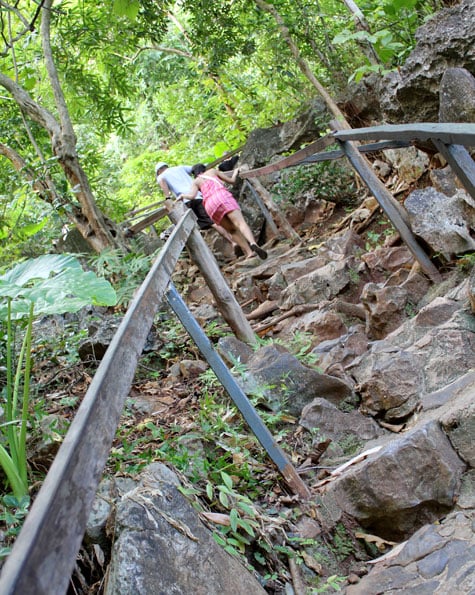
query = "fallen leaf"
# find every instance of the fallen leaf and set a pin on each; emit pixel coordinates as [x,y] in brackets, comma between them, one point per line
[217,518]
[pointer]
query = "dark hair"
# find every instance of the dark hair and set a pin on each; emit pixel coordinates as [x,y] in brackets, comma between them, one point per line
[197,169]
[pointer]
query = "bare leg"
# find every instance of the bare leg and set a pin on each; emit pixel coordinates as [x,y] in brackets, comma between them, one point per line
[226,235]
[237,236]
[236,219]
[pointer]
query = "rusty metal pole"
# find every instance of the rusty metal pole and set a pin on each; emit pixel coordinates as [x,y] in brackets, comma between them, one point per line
[237,395]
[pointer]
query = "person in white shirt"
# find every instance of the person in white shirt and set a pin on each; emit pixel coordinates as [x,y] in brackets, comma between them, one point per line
[177,180]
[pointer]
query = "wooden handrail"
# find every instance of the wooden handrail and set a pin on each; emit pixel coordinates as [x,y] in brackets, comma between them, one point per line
[43,556]
[449,133]
[44,553]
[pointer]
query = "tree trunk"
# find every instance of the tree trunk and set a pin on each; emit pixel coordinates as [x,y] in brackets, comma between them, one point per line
[303,65]
[64,147]
[89,220]
[362,25]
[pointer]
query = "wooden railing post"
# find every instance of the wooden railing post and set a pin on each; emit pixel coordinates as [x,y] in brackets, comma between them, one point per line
[389,205]
[209,268]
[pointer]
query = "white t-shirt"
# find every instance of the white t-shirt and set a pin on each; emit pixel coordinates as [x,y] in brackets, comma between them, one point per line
[178,179]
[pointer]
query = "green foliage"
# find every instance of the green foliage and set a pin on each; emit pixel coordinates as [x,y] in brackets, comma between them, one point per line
[466,262]
[243,521]
[331,584]
[328,180]
[46,285]
[392,25]
[13,512]
[125,271]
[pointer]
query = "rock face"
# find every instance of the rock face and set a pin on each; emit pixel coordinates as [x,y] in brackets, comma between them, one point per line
[162,547]
[426,88]
[446,223]
[264,143]
[446,41]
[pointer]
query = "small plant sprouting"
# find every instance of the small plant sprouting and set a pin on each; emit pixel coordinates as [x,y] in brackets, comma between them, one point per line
[12,514]
[243,521]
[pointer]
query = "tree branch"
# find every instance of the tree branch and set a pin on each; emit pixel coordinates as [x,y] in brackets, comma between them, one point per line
[303,65]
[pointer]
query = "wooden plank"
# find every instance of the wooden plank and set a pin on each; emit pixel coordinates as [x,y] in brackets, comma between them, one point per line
[131,214]
[448,133]
[225,300]
[461,163]
[315,147]
[44,553]
[368,148]
[387,203]
[148,220]
[264,210]
[284,225]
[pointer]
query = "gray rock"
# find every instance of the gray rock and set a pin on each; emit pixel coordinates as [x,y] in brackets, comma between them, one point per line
[289,384]
[161,545]
[409,163]
[385,494]
[339,426]
[323,284]
[437,559]
[457,96]
[459,425]
[446,223]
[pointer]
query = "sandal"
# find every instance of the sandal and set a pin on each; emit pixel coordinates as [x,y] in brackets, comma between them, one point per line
[259,251]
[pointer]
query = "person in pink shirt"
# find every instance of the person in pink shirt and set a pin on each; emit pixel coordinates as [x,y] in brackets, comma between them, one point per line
[222,207]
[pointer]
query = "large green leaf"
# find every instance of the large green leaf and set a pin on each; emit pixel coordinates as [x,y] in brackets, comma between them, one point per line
[55,284]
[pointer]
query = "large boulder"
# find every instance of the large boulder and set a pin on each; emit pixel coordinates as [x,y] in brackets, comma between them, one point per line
[445,223]
[438,559]
[446,41]
[161,546]
[290,385]
[410,481]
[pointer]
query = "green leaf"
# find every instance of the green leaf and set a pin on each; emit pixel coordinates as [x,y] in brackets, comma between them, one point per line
[18,486]
[39,268]
[233,519]
[247,527]
[246,508]
[30,230]
[127,8]
[209,491]
[228,482]
[342,37]
[219,539]
[224,499]
[55,284]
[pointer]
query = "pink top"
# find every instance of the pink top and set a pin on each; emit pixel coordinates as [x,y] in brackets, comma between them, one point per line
[217,199]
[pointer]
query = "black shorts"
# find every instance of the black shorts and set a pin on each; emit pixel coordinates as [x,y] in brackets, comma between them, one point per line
[204,220]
